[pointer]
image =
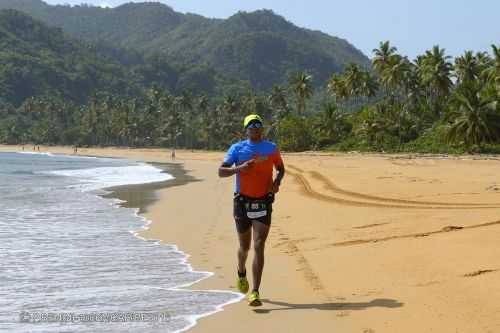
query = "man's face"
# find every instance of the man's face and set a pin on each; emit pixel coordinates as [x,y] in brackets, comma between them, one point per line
[254,134]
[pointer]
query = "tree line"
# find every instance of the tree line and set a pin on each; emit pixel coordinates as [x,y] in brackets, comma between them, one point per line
[431,104]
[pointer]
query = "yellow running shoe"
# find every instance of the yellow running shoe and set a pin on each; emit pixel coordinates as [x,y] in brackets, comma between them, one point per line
[242,284]
[254,299]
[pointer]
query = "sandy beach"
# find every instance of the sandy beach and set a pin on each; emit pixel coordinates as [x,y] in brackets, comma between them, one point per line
[359,242]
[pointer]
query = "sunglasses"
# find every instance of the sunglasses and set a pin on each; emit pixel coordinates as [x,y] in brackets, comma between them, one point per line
[255,124]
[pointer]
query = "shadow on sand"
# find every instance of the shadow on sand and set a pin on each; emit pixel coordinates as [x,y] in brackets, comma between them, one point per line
[379,302]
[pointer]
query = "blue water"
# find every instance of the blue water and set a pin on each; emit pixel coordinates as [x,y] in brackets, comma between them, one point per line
[71,261]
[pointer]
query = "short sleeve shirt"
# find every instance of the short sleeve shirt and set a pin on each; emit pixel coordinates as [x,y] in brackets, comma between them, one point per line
[258,181]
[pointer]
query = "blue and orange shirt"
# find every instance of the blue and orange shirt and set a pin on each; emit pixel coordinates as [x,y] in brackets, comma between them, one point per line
[257,181]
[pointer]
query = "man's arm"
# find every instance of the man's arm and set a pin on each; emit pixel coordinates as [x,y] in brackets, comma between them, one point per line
[226,170]
[280,173]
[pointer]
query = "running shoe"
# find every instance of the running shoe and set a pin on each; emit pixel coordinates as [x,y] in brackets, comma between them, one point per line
[254,299]
[242,284]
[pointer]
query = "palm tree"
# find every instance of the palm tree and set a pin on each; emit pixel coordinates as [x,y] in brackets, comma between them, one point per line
[186,107]
[230,120]
[300,84]
[175,121]
[352,78]
[331,123]
[249,103]
[277,98]
[280,109]
[396,77]
[474,118]
[368,85]
[382,56]
[467,67]
[395,73]
[376,124]
[436,72]
[337,87]
[493,70]
[202,104]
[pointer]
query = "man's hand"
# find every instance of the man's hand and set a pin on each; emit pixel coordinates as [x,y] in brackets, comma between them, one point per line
[276,186]
[227,170]
[280,168]
[247,165]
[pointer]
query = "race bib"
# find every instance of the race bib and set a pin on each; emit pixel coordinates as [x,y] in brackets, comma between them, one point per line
[256,210]
[256,215]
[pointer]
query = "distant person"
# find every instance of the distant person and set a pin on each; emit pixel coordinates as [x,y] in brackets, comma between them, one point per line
[38,148]
[172,155]
[253,161]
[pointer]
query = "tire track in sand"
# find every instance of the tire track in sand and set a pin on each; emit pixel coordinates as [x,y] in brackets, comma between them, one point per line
[378,201]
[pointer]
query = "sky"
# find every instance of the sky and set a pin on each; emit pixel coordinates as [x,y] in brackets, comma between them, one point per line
[413,26]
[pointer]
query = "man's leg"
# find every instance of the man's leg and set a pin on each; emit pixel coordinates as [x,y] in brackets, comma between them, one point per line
[260,232]
[245,238]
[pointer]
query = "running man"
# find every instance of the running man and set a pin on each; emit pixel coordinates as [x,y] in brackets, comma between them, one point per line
[253,161]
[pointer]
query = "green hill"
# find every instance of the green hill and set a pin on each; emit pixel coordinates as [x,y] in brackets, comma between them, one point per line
[39,60]
[260,47]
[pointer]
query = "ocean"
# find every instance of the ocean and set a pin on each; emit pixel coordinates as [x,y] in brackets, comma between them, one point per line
[72,261]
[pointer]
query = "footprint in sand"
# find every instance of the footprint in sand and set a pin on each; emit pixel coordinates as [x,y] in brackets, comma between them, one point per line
[493,188]
[369,225]
[372,293]
[342,314]
[426,284]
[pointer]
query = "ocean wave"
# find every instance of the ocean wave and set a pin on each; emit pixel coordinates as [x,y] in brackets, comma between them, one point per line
[35,153]
[103,177]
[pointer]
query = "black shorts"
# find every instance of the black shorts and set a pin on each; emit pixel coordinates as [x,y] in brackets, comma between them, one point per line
[242,205]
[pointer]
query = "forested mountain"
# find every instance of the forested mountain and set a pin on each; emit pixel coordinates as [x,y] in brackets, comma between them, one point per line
[260,47]
[39,60]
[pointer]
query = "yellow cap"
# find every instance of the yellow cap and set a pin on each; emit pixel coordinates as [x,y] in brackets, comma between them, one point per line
[251,117]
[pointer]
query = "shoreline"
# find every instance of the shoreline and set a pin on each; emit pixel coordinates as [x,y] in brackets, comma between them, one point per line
[138,197]
[318,276]
[120,151]
[142,196]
